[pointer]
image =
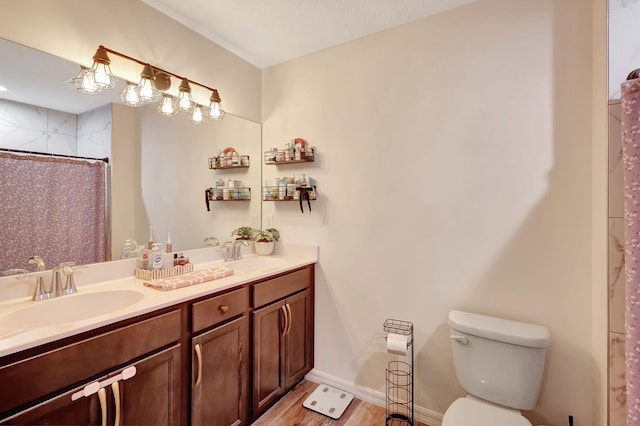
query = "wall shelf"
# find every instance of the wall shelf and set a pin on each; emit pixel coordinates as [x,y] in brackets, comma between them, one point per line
[229,194]
[272,193]
[285,156]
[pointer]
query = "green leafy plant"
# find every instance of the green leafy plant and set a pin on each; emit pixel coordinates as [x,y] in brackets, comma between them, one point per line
[243,233]
[270,234]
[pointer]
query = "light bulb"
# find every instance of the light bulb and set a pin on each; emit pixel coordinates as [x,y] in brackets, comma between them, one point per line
[131,96]
[147,87]
[197,115]
[168,106]
[85,82]
[185,101]
[215,110]
[102,75]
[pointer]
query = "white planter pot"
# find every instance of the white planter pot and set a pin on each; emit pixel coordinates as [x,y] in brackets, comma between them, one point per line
[264,248]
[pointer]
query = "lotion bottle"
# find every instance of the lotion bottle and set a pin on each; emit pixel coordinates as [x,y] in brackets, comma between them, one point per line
[156,256]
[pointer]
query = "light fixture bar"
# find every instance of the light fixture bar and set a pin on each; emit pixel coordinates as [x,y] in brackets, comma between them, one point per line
[153,81]
[122,55]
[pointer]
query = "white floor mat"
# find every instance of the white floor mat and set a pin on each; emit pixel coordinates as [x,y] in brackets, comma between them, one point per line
[328,401]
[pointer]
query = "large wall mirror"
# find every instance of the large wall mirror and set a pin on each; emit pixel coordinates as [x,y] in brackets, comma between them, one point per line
[159,165]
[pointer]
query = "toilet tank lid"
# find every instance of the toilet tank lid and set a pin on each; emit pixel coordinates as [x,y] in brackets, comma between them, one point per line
[502,330]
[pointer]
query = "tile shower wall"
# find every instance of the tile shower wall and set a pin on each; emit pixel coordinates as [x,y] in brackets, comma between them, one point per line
[31,128]
[617,397]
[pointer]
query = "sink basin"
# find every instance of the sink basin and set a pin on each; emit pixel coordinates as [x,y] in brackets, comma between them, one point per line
[255,264]
[65,309]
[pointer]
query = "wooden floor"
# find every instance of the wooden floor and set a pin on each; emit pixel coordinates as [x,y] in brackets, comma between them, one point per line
[290,412]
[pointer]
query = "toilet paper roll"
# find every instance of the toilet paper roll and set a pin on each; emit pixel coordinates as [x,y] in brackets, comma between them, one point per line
[397,344]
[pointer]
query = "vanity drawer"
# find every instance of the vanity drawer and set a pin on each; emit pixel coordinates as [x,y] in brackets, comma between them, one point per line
[219,308]
[280,287]
[78,362]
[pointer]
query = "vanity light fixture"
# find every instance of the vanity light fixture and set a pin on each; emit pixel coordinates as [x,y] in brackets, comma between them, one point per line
[153,84]
[101,71]
[167,106]
[85,82]
[197,114]
[185,101]
[147,86]
[215,110]
[131,95]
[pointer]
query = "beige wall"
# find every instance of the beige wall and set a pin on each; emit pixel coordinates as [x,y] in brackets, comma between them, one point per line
[73,29]
[454,172]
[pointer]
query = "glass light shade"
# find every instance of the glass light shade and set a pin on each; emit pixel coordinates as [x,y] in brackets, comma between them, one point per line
[131,95]
[147,86]
[168,106]
[185,101]
[101,71]
[215,112]
[197,115]
[86,83]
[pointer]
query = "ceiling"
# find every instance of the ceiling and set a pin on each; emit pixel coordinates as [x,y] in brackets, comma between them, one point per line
[263,32]
[269,32]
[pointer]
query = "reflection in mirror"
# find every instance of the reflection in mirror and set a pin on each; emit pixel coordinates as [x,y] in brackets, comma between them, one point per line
[159,165]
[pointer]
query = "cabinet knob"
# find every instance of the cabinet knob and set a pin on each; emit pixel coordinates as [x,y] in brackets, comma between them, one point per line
[223,308]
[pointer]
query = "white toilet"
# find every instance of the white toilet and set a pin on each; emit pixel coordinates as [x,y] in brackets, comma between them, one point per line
[499,363]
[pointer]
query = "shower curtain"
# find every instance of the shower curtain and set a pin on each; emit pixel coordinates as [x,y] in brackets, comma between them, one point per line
[51,207]
[631,158]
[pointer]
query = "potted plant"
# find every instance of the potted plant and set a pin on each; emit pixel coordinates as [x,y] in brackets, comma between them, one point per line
[243,233]
[265,240]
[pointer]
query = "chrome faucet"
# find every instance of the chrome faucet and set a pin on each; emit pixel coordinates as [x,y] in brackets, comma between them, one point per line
[39,293]
[232,250]
[211,242]
[237,252]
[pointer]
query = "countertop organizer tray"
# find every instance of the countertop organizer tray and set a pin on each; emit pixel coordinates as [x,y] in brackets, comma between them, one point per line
[146,274]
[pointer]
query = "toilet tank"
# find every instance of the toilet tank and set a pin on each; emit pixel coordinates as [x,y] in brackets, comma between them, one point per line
[498,360]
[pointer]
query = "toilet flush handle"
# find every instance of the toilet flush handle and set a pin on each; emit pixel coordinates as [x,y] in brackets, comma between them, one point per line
[460,339]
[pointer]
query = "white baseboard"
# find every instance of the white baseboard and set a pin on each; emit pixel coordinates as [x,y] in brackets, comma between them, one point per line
[421,414]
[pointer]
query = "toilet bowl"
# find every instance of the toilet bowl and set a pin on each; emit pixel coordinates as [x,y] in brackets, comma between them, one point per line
[472,411]
[499,363]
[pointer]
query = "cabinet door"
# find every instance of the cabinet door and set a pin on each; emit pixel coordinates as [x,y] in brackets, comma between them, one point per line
[152,396]
[60,410]
[268,355]
[298,339]
[220,381]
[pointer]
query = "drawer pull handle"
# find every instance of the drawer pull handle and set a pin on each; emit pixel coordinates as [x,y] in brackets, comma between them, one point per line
[102,396]
[290,318]
[115,387]
[223,309]
[286,320]
[199,357]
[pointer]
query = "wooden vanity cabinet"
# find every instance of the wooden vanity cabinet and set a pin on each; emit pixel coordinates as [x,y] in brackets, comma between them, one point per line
[243,348]
[282,321]
[220,360]
[36,388]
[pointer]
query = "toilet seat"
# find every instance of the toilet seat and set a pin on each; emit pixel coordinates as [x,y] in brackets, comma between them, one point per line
[471,411]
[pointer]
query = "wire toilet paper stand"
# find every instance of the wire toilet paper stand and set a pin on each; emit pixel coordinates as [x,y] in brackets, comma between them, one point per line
[399,378]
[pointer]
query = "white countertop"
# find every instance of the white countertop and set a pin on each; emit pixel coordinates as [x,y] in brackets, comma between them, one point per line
[118,275]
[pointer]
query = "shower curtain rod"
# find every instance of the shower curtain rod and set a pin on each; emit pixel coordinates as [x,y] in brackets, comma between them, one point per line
[48,154]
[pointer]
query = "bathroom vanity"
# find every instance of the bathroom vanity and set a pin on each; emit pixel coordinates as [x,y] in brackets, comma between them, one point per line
[220,352]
